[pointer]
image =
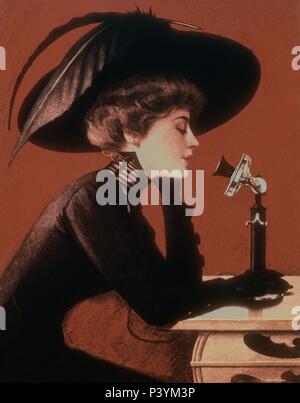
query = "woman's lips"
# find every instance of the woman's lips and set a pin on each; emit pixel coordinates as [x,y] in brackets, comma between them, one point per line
[187,158]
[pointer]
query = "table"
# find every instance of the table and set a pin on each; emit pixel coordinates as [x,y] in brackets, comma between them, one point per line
[238,344]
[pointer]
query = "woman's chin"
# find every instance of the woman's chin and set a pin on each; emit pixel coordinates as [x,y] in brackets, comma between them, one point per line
[176,171]
[184,166]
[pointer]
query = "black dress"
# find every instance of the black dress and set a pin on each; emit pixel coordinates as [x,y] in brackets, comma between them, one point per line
[78,249]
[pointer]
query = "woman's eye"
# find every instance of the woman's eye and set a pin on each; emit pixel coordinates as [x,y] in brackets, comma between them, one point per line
[182,130]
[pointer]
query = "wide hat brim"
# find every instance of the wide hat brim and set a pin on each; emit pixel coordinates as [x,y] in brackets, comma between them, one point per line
[52,115]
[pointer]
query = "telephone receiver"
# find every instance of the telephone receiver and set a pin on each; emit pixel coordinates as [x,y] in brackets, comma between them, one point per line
[240,176]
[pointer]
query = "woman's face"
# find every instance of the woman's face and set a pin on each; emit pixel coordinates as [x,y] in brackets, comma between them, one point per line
[169,143]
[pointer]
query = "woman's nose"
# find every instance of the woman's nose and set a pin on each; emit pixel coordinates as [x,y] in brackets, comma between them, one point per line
[192,139]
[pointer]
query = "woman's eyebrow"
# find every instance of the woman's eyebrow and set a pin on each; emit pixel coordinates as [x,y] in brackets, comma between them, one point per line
[182,117]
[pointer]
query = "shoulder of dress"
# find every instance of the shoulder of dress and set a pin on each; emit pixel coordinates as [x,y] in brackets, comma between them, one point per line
[82,193]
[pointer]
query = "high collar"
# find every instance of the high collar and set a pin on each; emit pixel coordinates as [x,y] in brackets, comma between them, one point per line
[131,157]
[127,174]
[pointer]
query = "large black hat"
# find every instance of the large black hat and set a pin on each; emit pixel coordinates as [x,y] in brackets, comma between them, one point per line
[52,115]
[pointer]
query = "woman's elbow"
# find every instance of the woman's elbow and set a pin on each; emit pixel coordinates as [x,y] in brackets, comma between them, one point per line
[159,316]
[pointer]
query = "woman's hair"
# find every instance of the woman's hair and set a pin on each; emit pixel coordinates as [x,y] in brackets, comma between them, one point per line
[134,105]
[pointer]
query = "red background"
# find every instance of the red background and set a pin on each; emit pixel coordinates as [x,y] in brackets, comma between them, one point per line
[267,130]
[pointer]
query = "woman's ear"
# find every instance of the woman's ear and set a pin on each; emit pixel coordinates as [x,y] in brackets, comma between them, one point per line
[132,138]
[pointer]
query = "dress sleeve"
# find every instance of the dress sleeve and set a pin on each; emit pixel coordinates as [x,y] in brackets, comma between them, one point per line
[122,247]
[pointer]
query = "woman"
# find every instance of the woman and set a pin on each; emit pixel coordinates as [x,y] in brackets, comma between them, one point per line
[78,249]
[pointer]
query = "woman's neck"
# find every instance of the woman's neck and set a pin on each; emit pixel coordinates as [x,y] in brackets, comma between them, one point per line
[130,148]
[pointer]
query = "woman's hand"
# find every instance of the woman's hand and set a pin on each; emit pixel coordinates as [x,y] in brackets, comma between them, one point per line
[241,290]
[250,284]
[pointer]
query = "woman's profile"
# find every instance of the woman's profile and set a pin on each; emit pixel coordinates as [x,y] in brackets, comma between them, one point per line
[140,91]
